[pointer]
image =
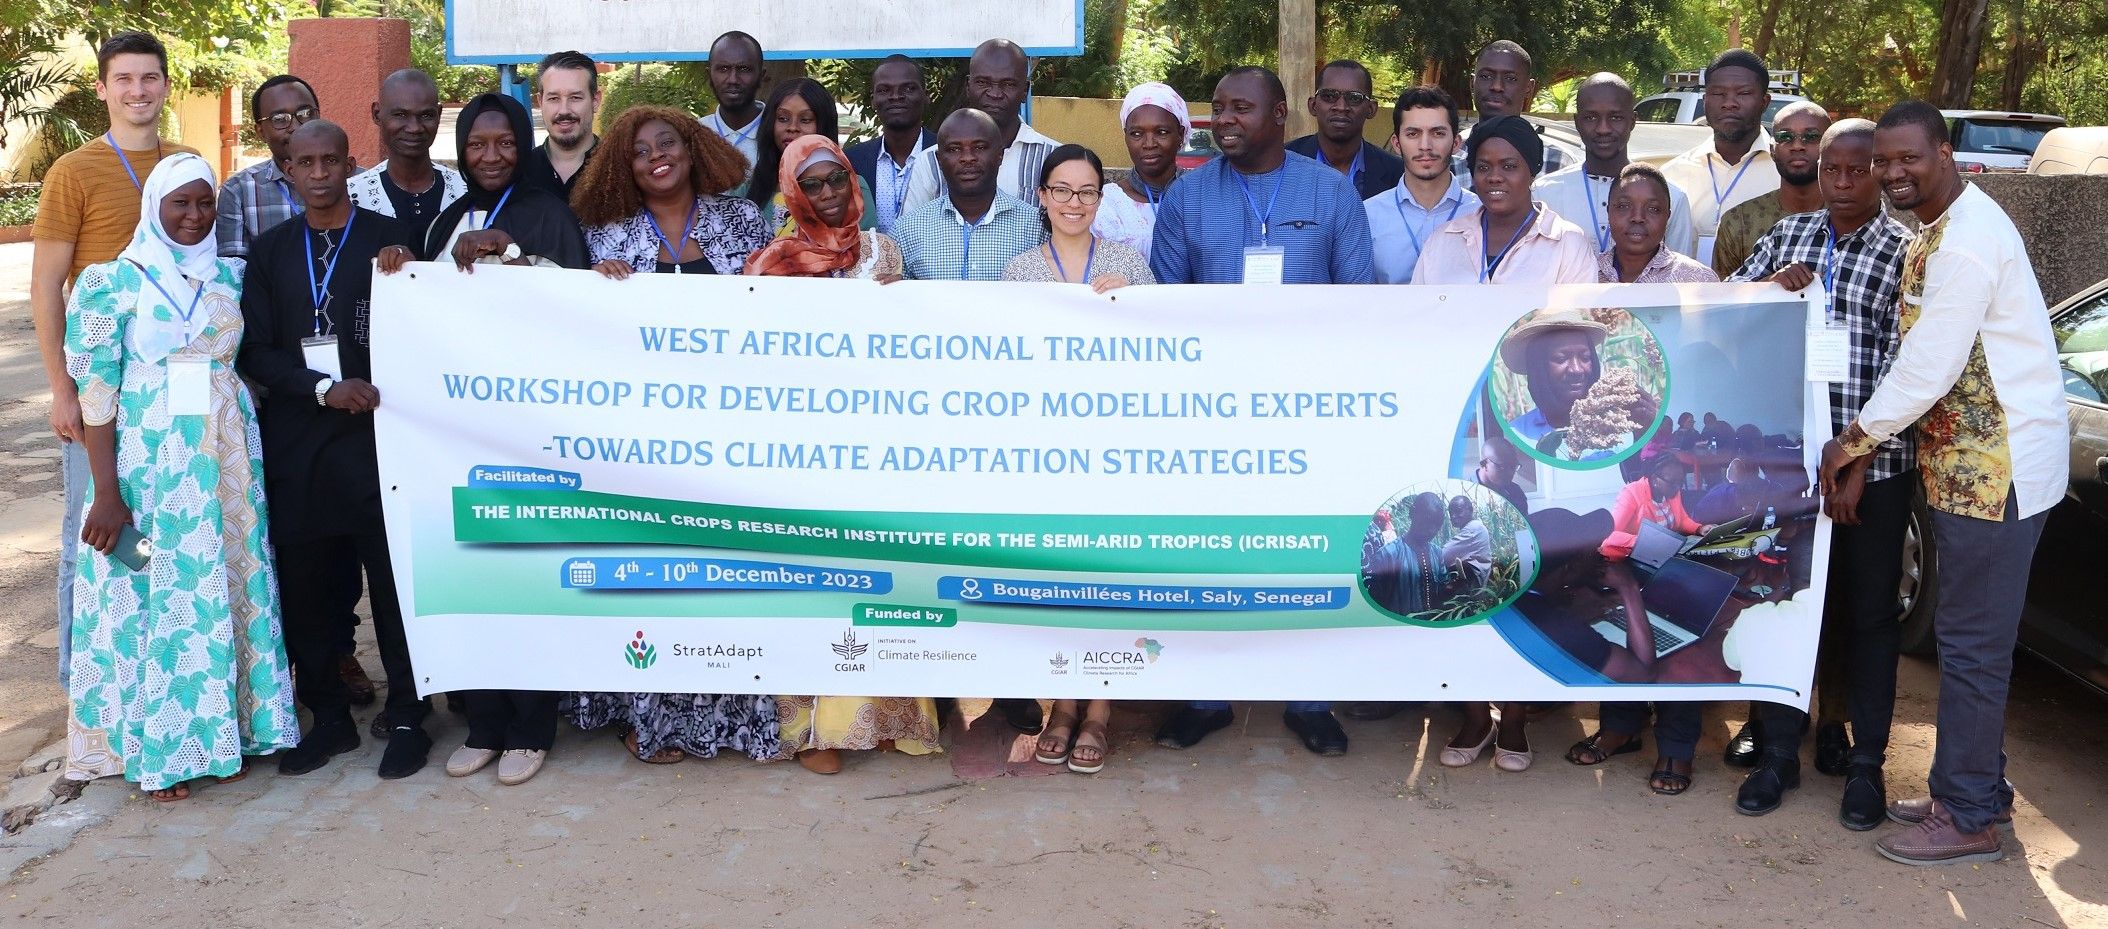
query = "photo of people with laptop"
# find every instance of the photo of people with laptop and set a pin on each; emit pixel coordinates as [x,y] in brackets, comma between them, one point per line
[1446,553]
[1578,388]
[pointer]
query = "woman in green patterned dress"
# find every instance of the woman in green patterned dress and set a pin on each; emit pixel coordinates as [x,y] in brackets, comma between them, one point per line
[178,668]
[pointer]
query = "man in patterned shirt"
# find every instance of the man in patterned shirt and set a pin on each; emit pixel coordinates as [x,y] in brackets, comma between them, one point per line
[1856,253]
[972,232]
[258,197]
[1976,372]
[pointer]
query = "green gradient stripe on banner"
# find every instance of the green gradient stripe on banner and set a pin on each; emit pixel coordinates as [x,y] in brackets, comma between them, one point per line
[1160,544]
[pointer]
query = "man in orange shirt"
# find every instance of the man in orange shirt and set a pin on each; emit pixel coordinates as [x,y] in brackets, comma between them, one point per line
[86,215]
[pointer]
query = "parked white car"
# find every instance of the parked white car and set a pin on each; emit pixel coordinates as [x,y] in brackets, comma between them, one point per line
[2072,150]
[1993,140]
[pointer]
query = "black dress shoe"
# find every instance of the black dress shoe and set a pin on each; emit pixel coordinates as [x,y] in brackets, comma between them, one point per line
[405,755]
[379,727]
[321,743]
[1374,710]
[1833,750]
[1865,803]
[1742,749]
[1318,730]
[1023,715]
[1186,728]
[1766,787]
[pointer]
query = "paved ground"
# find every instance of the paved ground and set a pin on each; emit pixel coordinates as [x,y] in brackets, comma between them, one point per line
[1247,830]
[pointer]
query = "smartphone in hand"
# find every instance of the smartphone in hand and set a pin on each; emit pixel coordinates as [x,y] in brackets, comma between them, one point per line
[133,550]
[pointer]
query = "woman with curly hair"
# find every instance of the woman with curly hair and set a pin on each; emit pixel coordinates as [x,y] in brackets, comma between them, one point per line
[797,107]
[654,200]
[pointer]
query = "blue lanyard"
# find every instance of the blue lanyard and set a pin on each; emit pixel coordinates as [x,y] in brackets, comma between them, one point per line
[1354,170]
[675,253]
[1265,219]
[127,162]
[318,294]
[1419,239]
[189,311]
[966,241]
[739,138]
[1486,231]
[492,216]
[1830,262]
[290,203]
[1588,189]
[1720,196]
[1092,256]
[900,177]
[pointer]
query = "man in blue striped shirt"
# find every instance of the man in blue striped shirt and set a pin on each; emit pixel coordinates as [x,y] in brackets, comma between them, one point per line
[972,232]
[1262,208]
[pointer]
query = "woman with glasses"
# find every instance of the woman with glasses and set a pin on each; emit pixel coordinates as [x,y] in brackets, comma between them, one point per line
[1154,123]
[1072,190]
[797,107]
[826,207]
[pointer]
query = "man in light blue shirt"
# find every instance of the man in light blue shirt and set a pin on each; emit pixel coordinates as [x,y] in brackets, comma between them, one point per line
[1259,208]
[1404,218]
[972,232]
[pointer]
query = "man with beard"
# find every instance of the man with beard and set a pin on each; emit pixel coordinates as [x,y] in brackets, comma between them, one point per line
[973,232]
[1404,218]
[567,91]
[735,80]
[1345,101]
[998,79]
[407,186]
[1604,118]
[1504,83]
[887,162]
[1731,168]
[1797,136]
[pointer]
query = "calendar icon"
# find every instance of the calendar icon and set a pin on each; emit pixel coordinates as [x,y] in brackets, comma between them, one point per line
[581,573]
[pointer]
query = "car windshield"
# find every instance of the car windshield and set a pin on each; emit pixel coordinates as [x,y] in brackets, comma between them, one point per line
[1200,142]
[2009,138]
[2082,347]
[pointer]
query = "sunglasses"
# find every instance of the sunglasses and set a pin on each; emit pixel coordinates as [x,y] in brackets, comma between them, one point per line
[1785,136]
[1334,95]
[284,121]
[1085,196]
[839,180]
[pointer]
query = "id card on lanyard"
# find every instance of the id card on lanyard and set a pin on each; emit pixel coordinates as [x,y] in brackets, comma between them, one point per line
[319,351]
[189,384]
[1829,345]
[1264,263]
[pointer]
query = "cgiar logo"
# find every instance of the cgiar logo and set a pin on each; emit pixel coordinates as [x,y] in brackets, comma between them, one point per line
[639,653]
[849,650]
[1059,664]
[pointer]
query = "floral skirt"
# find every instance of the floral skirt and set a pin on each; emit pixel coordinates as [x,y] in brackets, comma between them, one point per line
[699,724]
[857,723]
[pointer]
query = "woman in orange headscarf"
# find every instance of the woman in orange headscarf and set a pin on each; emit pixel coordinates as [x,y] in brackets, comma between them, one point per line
[825,206]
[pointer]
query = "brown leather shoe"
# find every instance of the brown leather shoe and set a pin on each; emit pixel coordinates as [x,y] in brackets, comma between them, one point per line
[360,686]
[1915,810]
[821,760]
[1937,841]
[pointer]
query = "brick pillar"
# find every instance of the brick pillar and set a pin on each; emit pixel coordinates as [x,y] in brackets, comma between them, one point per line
[344,60]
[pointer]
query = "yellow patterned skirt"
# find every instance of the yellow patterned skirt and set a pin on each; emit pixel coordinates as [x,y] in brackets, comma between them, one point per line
[857,723]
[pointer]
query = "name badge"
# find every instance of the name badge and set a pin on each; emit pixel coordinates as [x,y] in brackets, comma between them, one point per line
[189,384]
[1705,249]
[1829,354]
[1263,264]
[320,353]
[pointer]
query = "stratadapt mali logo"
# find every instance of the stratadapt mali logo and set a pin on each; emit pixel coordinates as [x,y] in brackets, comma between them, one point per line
[639,653]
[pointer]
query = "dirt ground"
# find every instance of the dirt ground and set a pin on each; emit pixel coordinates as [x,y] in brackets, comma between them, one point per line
[1246,830]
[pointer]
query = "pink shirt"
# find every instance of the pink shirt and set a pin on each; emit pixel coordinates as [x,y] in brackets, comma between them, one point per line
[1551,251]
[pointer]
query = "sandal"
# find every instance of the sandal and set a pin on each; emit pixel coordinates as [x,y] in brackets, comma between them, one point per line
[171,794]
[236,776]
[1088,756]
[1054,740]
[1589,751]
[1666,780]
[662,756]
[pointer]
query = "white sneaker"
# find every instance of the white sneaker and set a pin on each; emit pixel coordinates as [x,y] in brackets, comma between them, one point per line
[466,760]
[519,764]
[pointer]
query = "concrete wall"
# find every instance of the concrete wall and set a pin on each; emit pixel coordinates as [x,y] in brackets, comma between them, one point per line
[2060,217]
[344,60]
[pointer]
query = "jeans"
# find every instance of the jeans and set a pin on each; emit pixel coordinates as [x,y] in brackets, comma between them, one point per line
[73,466]
[1977,623]
[1676,725]
[1866,565]
[1294,706]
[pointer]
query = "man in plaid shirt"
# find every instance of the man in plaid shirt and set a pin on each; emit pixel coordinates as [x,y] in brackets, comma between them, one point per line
[1856,252]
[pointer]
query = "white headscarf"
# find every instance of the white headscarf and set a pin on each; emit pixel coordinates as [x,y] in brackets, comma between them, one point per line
[168,261]
[1157,93]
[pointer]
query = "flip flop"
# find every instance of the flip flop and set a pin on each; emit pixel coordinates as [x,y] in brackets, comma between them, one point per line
[1592,747]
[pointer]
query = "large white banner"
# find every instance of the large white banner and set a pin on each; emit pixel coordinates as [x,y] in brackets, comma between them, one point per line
[704,484]
[502,31]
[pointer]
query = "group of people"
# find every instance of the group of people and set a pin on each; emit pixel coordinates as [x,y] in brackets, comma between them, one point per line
[207,347]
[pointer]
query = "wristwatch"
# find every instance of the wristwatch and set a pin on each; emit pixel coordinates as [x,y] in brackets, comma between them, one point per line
[511,252]
[322,390]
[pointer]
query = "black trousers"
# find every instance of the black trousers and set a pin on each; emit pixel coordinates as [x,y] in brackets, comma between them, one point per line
[504,720]
[1866,565]
[311,593]
[350,584]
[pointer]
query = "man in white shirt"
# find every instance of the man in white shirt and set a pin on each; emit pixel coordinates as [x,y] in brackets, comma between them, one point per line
[1976,372]
[998,79]
[1604,117]
[1736,165]
[1472,546]
[1403,219]
[735,79]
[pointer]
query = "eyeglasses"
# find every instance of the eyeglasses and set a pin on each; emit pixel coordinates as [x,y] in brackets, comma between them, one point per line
[284,121]
[839,180]
[1334,95]
[1085,196]
[1809,137]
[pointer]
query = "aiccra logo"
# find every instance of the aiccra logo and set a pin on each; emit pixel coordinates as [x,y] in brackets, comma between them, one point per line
[639,653]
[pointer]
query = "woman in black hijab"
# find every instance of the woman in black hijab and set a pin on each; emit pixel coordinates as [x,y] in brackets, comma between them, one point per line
[498,218]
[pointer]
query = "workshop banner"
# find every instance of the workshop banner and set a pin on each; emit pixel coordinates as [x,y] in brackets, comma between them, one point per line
[691,483]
